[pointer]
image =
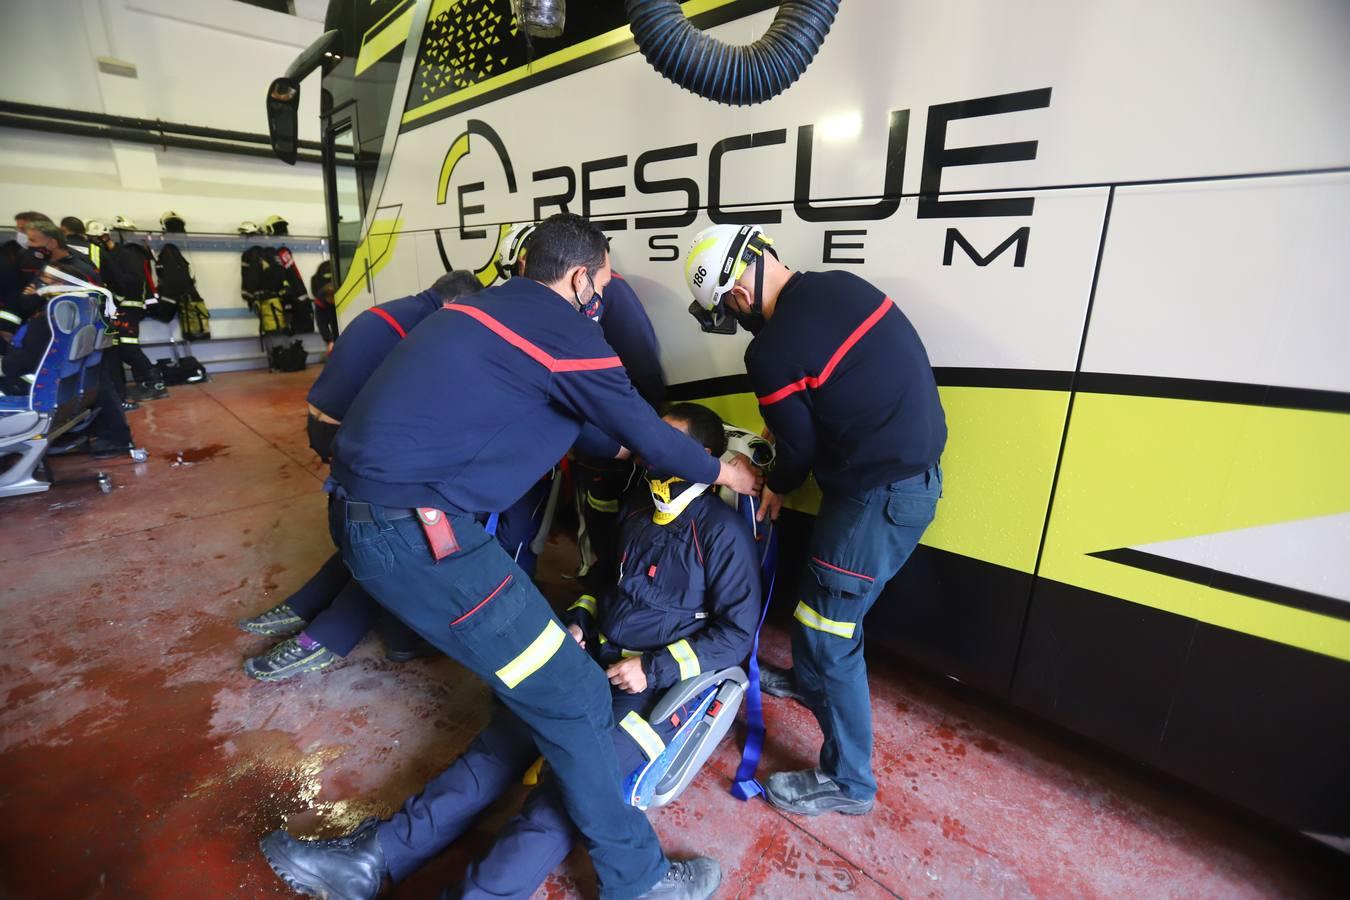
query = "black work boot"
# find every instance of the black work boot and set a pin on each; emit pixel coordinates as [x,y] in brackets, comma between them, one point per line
[279,621]
[102,448]
[812,793]
[289,659]
[687,879]
[416,650]
[778,682]
[350,867]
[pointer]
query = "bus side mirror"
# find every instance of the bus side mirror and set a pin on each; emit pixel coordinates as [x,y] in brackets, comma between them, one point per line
[283,115]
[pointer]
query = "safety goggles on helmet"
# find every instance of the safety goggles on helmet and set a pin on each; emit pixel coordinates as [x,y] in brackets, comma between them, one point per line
[719,256]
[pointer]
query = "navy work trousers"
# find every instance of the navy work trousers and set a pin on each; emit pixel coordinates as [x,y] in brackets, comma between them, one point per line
[479,608]
[858,544]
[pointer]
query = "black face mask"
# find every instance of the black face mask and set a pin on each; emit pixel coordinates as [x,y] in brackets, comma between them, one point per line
[751,322]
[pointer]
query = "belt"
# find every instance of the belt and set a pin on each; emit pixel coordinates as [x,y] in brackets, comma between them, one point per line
[364,512]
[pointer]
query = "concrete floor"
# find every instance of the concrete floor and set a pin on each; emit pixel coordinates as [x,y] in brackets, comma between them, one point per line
[136,759]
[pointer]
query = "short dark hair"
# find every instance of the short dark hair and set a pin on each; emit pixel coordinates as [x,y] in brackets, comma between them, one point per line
[459,283]
[30,216]
[48,229]
[705,426]
[73,225]
[561,242]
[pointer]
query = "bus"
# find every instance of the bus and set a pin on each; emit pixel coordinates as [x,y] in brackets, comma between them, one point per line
[1122,231]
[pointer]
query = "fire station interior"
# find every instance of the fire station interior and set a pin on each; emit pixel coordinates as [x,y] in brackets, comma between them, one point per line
[1014,335]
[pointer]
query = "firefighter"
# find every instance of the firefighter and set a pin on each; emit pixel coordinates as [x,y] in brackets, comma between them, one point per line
[847,392]
[517,369]
[689,603]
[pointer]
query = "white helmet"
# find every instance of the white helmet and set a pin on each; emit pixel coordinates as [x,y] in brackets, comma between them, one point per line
[95,228]
[511,249]
[247,227]
[122,223]
[719,256]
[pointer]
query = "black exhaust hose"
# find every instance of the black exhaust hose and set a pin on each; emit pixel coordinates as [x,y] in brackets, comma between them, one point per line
[737,76]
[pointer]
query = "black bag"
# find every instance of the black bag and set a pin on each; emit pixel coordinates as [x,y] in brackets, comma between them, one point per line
[126,271]
[163,310]
[290,357]
[300,315]
[187,370]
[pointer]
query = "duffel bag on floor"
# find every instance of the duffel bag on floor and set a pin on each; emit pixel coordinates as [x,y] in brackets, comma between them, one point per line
[187,370]
[290,357]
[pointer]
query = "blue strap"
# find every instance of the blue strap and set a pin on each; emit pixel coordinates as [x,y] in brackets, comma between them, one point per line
[745,786]
[491,526]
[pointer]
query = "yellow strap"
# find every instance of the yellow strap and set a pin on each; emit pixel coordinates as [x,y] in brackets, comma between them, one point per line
[686,657]
[812,619]
[10,317]
[604,506]
[531,776]
[626,654]
[586,602]
[641,731]
[533,657]
[123,339]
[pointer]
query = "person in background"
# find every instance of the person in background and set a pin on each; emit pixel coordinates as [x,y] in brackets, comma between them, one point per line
[108,434]
[322,289]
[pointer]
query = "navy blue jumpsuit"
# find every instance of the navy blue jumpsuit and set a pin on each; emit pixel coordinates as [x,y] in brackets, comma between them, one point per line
[844,383]
[513,372]
[688,602]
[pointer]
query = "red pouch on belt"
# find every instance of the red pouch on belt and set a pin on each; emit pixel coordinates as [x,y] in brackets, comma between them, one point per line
[440,536]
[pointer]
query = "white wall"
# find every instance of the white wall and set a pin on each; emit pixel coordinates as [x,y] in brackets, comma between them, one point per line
[201,62]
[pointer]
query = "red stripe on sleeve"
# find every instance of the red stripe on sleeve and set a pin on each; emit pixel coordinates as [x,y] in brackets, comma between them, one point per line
[548,361]
[393,323]
[815,381]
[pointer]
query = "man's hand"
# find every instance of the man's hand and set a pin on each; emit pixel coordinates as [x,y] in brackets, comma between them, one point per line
[575,631]
[627,675]
[740,476]
[769,505]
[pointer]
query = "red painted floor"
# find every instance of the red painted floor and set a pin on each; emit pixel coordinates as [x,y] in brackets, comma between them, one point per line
[137,760]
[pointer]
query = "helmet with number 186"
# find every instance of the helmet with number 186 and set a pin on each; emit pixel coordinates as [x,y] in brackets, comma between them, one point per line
[719,255]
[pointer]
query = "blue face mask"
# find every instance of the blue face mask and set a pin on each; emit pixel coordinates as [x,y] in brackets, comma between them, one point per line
[595,306]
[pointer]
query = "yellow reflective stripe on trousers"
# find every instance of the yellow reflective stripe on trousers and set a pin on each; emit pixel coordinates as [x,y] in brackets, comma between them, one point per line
[7,316]
[641,731]
[586,602]
[686,657]
[533,657]
[604,506]
[812,619]
[123,339]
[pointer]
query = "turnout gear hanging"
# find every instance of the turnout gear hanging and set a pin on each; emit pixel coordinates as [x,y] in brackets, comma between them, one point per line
[176,285]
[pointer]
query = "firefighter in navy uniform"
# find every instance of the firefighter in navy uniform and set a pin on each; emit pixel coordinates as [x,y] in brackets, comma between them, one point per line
[688,603]
[847,391]
[328,616]
[600,479]
[517,369]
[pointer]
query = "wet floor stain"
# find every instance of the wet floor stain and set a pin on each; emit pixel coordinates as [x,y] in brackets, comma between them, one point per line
[194,455]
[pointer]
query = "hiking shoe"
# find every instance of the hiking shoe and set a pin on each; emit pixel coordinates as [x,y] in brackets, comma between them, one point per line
[289,659]
[104,449]
[149,390]
[129,405]
[687,879]
[812,793]
[350,867]
[779,682]
[279,621]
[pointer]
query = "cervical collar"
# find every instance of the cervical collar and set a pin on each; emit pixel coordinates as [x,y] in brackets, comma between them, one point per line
[667,509]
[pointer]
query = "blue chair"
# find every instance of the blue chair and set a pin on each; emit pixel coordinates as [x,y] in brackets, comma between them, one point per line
[65,387]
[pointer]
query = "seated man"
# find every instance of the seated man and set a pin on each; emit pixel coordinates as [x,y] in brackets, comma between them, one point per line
[687,601]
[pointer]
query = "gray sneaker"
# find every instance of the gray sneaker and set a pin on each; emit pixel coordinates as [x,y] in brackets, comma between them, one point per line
[778,682]
[279,621]
[812,793]
[289,659]
[687,879]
